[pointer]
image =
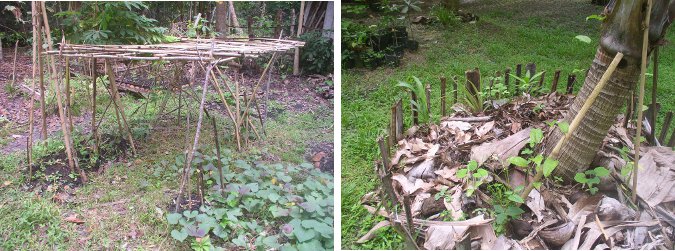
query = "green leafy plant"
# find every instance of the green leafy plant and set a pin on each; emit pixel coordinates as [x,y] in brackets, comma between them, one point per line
[111,23]
[495,90]
[317,54]
[296,202]
[421,104]
[505,203]
[590,178]
[473,173]
[541,164]
[475,103]
[627,169]
[527,82]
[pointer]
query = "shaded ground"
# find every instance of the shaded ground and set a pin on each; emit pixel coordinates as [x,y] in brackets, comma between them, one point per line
[508,33]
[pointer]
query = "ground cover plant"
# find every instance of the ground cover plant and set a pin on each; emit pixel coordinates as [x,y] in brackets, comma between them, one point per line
[506,34]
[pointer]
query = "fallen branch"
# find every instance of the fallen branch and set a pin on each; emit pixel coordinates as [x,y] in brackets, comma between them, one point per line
[470,119]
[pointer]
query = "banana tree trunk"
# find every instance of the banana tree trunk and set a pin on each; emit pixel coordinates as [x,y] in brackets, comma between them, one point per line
[622,32]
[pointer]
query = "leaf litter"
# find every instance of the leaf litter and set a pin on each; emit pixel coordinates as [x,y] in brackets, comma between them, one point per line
[424,172]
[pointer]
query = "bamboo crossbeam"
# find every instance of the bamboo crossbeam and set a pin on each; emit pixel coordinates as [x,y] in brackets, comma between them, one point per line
[185,50]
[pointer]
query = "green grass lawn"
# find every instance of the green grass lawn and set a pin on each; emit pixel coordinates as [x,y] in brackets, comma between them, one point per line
[508,33]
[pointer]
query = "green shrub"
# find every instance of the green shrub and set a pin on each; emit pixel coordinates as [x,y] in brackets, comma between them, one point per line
[317,54]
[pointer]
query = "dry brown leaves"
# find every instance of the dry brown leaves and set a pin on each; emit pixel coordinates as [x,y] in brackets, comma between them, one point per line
[425,165]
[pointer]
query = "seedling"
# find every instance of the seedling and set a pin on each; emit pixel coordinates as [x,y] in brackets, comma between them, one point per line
[421,104]
[474,173]
[527,81]
[590,178]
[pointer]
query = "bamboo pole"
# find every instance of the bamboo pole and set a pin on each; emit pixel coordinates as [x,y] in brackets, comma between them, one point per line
[655,79]
[117,102]
[94,128]
[296,59]
[43,108]
[64,127]
[219,163]
[29,146]
[643,70]
[16,50]
[577,119]
[68,96]
[188,161]
[443,83]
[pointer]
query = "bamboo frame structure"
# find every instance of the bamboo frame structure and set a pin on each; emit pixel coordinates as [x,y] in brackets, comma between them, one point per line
[204,54]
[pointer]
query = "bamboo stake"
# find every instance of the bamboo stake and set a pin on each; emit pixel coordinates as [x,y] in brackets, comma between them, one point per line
[68,96]
[577,119]
[29,143]
[119,106]
[655,79]
[219,163]
[643,70]
[188,161]
[64,127]
[443,83]
[16,49]
[94,129]
[43,108]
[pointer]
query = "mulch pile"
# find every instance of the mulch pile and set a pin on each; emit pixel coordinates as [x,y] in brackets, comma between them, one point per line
[424,180]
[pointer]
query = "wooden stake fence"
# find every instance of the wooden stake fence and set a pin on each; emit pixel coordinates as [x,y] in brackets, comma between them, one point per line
[396,133]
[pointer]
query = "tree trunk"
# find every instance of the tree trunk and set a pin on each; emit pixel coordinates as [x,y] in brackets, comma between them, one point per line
[621,33]
[235,21]
[221,19]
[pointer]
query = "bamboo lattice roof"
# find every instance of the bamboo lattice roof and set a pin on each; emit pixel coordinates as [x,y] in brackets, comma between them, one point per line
[186,49]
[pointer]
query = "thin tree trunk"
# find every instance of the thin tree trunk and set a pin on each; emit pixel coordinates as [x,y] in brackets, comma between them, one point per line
[221,19]
[235,21]
[577,153]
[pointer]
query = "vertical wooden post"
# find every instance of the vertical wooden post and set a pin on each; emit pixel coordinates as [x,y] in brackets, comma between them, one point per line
[664,127]
[519,73]
[556,77]
[43,108]
[399,119]
[541,79]
[392,126]
[16,50]
[570,83]
[427,93]
[384,153]
[655,79]
[473,82]
[531,68]
[443,83]
[29,142]
[94,128]
[454,89]
[414,109]
[671,141]
[68,96]
[72,163]
[219,163]
[296,60]
[507,77]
